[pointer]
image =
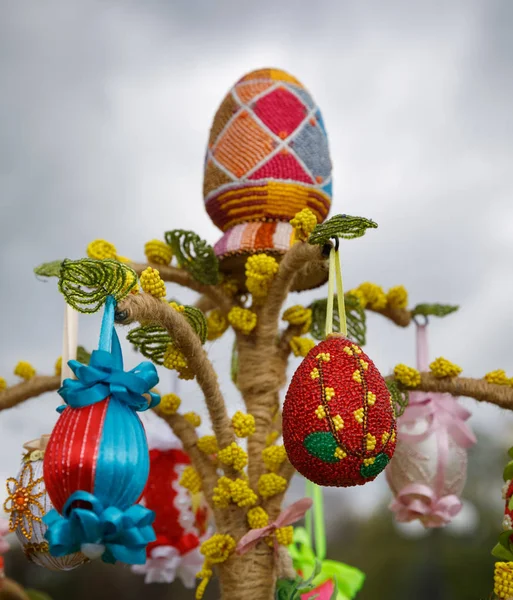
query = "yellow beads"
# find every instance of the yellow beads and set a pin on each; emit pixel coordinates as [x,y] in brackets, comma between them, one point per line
[338,421]
[218,548]
[230,286]
[340,454]
[58,366]
[152,283]
[299,315]
[257,518]
[329,393]
[233,455]
[3,384]
[304,223]
[208,444]
[191,480]
[503,579]
[260,271]
[193,418]
[178,307]
[101,249]
[284,535]
[242,319]
[301,346]
[320,413]
[174,359]
[271,484]
[24,370]
[158,252]
[358,415]
[441,367]
[243,424]
[408,376]
[375,297]
[217,324]
[273,457]
[370,442]
[371,398]
[360,296]
[169,404]
[498,377]
[236,491]
[397,297]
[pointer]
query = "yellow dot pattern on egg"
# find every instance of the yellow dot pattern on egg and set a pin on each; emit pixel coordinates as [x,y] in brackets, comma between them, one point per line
[370,442]
[369,461]
[357,376]
[358,415]
[324,356]
[320,412]
[364,364]
[385,437]
[356,349]
[371,398]
[329,392]
[338,422]
[339,453]
[314,374]
[348,351]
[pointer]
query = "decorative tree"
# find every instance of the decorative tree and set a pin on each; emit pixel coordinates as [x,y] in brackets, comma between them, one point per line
[268,186]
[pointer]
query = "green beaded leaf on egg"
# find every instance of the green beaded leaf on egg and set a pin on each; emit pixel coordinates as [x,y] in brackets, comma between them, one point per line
[355,319]
[340,226]
[322,445]
[86,283]
[380,462]
[194,255]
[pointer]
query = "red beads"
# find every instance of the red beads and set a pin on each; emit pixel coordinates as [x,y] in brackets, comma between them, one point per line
[339,426]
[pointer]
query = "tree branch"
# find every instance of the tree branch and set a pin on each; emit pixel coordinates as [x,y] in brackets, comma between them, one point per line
[273,504]
[400,316]
[479,389]
[183,278]
[39,384]
[146,308]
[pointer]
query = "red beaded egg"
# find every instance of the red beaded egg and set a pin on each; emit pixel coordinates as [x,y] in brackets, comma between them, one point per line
[339,426]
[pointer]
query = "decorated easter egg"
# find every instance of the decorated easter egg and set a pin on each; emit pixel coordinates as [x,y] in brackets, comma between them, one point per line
[27,503]
[339,426]
[267,159]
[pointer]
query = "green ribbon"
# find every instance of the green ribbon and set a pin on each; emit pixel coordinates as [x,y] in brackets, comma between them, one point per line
[307,559]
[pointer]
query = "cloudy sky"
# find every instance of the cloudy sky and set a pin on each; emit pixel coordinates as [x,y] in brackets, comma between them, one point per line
[104,115]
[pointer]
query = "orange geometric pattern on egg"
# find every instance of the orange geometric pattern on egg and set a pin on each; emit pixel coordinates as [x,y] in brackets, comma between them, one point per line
[338,422]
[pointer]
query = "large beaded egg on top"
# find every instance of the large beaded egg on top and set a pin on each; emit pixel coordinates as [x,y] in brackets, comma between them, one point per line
[339,425]
[267,159]
[26,504]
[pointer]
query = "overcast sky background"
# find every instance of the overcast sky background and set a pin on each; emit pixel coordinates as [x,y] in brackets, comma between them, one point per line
[105,109]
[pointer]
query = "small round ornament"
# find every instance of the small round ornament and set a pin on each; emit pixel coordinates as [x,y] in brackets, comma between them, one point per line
[27,503]
[339,426]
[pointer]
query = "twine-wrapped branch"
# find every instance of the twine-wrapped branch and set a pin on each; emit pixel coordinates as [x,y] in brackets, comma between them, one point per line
[185,279]
[39,384]
[146,308]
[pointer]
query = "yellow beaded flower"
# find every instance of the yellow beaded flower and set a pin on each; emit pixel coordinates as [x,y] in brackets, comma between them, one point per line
[58,366]
[359,295]
[304,223]
[503,579]
[301,346]
[178,307]
[174,359]
[193,418]
[217,324]
[101,249]
[208,444]
[233,455]
[152,283]
[299,315]
[273,457]
[257,518]
[242,319]
[284,535]
[158,252]
[24,370]
[230,286]
[498,377]
[237,491]
[3,384]
[397,297]
[441,367]
[260,271]
[271,484]
[191,480]
[21,501]
[408,376]
[169,404]
[243,424]
[216,550]
[374,295]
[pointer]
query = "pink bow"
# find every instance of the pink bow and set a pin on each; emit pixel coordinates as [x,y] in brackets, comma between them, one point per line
[418,501]
[290,515]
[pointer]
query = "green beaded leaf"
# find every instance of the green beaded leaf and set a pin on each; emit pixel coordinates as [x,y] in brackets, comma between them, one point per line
[355,319]
[340,226]
[151,341]
[83,356]
[322,445]
[87,282]
[434,310]
[380,462]
[50,269]
[400,396]
[197,321]
[194,255]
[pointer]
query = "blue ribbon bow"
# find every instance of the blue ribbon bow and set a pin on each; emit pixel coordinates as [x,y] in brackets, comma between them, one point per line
[125,534]
[104,376]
